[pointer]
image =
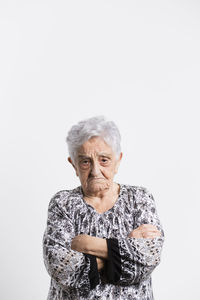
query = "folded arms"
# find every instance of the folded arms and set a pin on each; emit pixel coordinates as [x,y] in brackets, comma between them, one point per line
[74,261]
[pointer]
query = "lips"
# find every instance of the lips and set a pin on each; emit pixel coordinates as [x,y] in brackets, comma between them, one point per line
[94,178]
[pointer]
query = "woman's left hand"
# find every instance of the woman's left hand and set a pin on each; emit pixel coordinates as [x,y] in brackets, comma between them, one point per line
[81,243]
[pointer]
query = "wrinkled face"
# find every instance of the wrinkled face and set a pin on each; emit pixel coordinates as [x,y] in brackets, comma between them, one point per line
[96,165]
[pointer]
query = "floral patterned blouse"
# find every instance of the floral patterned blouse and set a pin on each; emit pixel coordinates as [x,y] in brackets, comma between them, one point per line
[127,272]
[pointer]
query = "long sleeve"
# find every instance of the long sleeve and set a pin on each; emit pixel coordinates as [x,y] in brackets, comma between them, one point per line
[70,269]
[132,260]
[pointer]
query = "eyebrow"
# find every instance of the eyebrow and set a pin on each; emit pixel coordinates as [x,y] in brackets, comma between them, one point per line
[99,154]
[83,156]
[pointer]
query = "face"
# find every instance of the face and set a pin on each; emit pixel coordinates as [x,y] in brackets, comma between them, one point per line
[96,165]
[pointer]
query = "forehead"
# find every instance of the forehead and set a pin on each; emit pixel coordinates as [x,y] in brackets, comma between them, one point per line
[95,145]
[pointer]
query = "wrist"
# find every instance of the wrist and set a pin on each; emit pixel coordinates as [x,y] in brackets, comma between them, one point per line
[98,247]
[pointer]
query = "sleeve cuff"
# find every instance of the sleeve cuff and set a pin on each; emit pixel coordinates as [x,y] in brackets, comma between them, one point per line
[93,273]
[113,264]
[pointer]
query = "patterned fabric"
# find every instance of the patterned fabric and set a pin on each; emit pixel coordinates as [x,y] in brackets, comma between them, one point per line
[69,215]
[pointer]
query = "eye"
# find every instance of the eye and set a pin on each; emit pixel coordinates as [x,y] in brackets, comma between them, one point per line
[104,160]
[84,163]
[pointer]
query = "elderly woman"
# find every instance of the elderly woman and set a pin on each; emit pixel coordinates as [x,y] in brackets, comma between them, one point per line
[103,239]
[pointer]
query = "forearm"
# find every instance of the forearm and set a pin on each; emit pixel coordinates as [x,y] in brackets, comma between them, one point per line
[97,247]
[90,245]
[132,260]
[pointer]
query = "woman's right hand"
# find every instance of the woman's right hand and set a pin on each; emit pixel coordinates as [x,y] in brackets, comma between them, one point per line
[145,231]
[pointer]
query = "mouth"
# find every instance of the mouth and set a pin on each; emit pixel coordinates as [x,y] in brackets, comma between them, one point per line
[94,178]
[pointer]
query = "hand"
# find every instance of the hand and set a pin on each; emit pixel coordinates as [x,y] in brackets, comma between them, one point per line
[145,231]
[80,243]
[100,263]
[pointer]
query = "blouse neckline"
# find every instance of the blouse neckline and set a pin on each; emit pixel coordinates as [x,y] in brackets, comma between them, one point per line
[107,211]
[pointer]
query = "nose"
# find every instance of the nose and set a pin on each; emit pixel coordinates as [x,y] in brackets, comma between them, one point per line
[95,171]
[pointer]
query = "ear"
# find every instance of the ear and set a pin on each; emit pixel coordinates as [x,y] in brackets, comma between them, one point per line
[71,162]
[118,162]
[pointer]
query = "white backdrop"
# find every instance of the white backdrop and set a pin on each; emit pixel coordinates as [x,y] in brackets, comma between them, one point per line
[137,63]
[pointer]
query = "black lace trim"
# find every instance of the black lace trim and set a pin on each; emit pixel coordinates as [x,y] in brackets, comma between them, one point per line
[113,264]
[93,273]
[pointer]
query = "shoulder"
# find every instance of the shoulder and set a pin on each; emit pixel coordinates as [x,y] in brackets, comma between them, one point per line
[63,199]
[141,194]
[137,189]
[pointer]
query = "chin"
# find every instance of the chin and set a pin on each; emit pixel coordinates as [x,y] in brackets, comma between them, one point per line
[97,187]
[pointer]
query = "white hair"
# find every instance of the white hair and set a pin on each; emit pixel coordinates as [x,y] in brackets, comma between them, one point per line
[96,126]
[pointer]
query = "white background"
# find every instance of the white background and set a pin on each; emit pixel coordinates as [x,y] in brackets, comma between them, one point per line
[137,63]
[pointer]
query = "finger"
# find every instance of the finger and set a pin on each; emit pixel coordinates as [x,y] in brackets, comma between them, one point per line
[135,234]
[151,235]
[148,226]
[151,231]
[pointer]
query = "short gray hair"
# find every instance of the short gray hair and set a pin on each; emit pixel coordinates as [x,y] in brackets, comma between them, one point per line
[96,126]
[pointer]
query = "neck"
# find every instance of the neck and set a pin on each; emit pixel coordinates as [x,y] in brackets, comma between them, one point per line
[113,189]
